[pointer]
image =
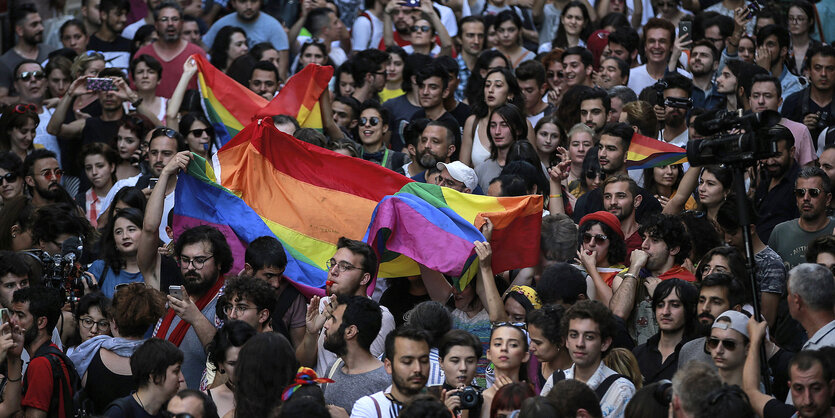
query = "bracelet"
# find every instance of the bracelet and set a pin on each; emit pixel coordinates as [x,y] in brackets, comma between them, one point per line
[627,275]
[14,380]
[553,196]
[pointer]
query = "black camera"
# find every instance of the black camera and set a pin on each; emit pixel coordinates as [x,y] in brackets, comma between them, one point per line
[679,102]
[824,120]
[659,88]
[737,138]
[64,271]
[470,397]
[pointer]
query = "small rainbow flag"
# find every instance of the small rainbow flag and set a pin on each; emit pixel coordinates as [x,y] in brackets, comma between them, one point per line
[646,152]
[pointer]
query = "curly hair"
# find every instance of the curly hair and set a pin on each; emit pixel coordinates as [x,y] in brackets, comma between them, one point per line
[204,233]
[135,308]
[547,319]
[617,246]
[16,117]
[594,310]
[671,230]
[254,290]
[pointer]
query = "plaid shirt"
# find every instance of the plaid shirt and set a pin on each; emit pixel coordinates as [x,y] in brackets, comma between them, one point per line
[463,76]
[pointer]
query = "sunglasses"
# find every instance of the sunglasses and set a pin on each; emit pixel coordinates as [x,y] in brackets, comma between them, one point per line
[698,214]
[23,108]
[521,325]
[199,132]
[421,28]
[9,178]
[813,192]
[712,343]
[591,174]
[164,131]
[28,75]
[374,121]
[599,239]
[558,74]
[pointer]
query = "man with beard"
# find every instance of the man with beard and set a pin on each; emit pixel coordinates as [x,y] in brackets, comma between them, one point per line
[621,198]
[250,300]
[351,270]
[204,258]
[43,178]
[401,17]
[263,79]
[349,332]
[108,38]
[675,117]
[674,306]
[704,60]
[433,89]
[259,27]
[436,144]
[595,107]
[812,386]
[407,361]
[614,144]
[774,44]
[718,293]
[28,27]
[764,94]
[623,43]
[457,176]
[812,194]
[165,147]
[813,106]
[666,246]
[170,49]
[773,197]
[36,311]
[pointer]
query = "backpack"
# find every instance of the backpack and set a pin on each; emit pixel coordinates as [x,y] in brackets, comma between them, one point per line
[602,388]
[76,404]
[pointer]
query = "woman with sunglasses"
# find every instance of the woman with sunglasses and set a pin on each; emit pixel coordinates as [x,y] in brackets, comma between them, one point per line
[146,73]
[801,18]
[199,134]
[499,88]
[11,176]
[119,245]
[508,352]
[103,362]
[602,251]
[554,75]
[18,126]
[230,43]
[592,175]
[372,129]
[92,318]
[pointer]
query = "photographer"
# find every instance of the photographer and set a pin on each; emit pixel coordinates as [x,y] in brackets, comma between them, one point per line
[813,106]
[673,111]
[459,352]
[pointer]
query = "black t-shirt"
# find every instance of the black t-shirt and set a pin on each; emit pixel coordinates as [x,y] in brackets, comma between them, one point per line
[447,118]
[97,130]
[133,409]
[119,44]
[461,113]
[795,109]
[401,112]
[398,300]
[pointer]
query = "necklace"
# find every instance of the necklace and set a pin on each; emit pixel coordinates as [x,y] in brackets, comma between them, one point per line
[136,395]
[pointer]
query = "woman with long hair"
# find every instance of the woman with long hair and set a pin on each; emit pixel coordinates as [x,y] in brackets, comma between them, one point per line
[508,352]
[266,364]
[74,36]
[500,87]
[549,137]
[129,144]
[663,182]
[99,162]
[223,357]
[506,126]
[486,61]
[146,73]
[230,43]
[103,362]
[547,343]
[119,245]
[17,129]
[395,68]
[602,251]
[199,134]
[801,19]
[715,184]
[508,26]
[593,174]
[58,77]
[575,26]
[16,220]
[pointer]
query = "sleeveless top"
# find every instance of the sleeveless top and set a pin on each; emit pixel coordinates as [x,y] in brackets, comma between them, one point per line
[104,386]
[480,154]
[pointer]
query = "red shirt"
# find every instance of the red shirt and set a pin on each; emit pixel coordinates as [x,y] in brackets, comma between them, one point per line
[172,70]
[39,389]
[633,242]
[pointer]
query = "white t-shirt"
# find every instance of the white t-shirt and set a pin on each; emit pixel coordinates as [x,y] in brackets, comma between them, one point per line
[367,32]
[640,79]
[367,406]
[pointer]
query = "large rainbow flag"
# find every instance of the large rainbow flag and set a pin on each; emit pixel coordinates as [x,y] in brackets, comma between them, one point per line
[230,106]
[646,152]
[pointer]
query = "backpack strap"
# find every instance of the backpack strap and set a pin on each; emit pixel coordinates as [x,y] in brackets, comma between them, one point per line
[332,371]
[57,363]
[604,386]
[377,407]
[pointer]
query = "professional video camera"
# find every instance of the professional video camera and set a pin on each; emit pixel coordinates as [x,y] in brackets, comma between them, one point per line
[736,138]
[679,102]
[64,271]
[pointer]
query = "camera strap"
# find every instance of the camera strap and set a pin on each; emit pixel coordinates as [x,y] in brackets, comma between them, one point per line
[804,103]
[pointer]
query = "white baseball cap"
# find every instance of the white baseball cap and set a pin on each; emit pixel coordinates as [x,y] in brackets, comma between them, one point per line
[739,322]
[461,172]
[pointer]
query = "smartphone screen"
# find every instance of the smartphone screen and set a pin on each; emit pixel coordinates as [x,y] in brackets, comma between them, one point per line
[4,316]
[152,182]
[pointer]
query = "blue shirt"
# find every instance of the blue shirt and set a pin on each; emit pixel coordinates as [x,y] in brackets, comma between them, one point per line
[110,280]
[264,28]
[790,83]
[463,77]
[707,100]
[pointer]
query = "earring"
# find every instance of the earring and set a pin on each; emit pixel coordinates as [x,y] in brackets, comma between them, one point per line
[14,235]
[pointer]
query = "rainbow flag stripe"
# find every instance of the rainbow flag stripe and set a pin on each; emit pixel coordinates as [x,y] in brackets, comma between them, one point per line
[645,152]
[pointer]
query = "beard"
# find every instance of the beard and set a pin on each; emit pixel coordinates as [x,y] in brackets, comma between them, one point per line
[30,335]
[675,119]
[49,193]
[404,386]
[427,160]
[625,212]
[704,327]
[335,343]
[195,284]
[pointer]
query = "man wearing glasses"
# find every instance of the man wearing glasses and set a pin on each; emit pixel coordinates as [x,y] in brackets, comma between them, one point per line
[28,27]
[727,345]
[204,258]
[812,196]
[250,300]
[351,270]
[43,178]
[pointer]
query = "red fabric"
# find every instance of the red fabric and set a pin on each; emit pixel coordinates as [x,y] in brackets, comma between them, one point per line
[678,272]
[607,218]
[182,327]
[633,243]
[172,70]
[40,385]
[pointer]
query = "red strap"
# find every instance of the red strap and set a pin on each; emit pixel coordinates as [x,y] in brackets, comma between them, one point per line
[180,330]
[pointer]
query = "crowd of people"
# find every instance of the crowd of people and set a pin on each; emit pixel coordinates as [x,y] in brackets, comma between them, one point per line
[685,290]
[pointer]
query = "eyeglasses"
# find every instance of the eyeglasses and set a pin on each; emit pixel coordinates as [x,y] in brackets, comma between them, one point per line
[229,309]
[23,108]
[708,269]
[591,174]
[558,74]
[343,266]
[373,120]
[28,75]
[9,178]
[197,262]
[599,239]
[55,173]
[199,132]
[698,214]
[88,323]
[797,19]
[421,28]
[167,414]
[813,192]
[712,343]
